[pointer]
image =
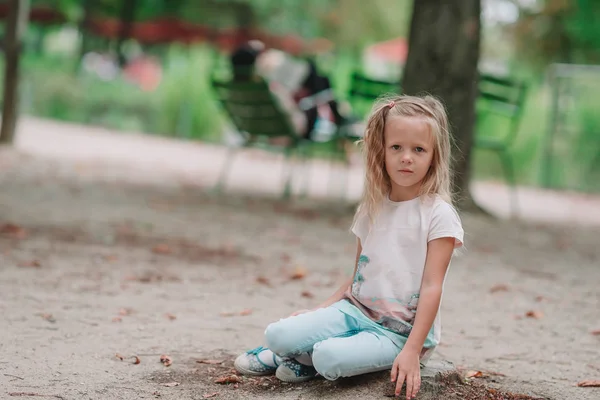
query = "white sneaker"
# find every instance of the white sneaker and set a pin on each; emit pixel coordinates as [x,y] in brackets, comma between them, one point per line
[257,362]
[292,371]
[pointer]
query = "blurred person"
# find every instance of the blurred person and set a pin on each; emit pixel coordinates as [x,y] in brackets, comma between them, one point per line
[294,82]
[386,316]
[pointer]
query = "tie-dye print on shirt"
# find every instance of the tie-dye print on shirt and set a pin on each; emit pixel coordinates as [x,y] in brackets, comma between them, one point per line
[389,270]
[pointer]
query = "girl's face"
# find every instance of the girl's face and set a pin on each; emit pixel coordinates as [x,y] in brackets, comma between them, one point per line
[409,151]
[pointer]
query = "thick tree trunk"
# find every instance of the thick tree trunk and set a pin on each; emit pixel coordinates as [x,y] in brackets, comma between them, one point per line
[15,29]
[442,60]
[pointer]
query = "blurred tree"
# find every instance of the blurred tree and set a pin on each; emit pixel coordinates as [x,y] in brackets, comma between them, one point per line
[558,31]
[442,60]
[15,28]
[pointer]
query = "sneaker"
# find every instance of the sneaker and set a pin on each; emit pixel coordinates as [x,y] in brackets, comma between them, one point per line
[257,362]
[292,371]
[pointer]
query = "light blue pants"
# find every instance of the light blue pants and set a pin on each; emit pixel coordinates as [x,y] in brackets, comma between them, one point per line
[341,345]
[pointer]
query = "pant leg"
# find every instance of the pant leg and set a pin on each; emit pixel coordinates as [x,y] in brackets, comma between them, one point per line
[367,351]
[292,336]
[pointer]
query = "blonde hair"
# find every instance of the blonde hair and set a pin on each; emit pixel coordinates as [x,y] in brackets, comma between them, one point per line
[378,183]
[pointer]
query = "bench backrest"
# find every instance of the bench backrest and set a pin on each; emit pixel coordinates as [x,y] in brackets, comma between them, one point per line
[364,91]
[504,97]
[252,108]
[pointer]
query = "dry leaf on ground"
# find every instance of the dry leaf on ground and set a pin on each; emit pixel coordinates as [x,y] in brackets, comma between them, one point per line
[589,383]
[211,395]
[48,317]
[13,231]
[501,287]
[120,357]
[30,264]
[299,273]
[170,316]
[162,248]
[263,280]
[246,312]
[536,314]
[210,362]
[166,360]
[117,319]
[307,294]
[228,379]
[474,374]
[125,311]
[171,384]
[137,360]
[595,332]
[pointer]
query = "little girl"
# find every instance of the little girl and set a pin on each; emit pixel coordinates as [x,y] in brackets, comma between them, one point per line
[386,315]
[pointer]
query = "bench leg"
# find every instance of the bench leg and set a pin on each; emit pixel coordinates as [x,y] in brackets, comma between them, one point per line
[509,171]
[226,169]
[287,173]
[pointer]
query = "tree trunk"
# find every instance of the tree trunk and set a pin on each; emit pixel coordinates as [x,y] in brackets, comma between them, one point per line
[442,60]
[15,29]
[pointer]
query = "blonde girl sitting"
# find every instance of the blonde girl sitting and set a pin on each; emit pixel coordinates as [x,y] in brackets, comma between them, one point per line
[386,316]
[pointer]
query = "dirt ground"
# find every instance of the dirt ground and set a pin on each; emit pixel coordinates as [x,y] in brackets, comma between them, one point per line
[95,262]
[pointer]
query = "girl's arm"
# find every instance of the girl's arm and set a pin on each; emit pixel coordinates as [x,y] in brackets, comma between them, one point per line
[439,253]
[406,364]
[339,294]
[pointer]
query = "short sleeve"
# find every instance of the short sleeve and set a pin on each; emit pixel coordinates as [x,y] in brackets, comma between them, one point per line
[445,222]
[360,227]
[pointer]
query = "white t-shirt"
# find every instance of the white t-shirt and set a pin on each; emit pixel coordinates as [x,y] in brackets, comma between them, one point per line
[390,268]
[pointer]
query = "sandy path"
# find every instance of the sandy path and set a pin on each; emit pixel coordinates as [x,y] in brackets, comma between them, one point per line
[93,240]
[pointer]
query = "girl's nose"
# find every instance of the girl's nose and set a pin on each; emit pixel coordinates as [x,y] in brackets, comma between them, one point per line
[406,159]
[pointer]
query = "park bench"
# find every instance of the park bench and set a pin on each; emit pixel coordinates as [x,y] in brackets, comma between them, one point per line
[364,91]
[501,98]
[256,114]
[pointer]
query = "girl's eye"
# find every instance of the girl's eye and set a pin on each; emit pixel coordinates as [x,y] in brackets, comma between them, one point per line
[395,147]
[419,149]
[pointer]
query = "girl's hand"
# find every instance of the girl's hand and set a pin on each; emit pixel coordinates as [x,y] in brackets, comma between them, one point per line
[299,312]
[407,368]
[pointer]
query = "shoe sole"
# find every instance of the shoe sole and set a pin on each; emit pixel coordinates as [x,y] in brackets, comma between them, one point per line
[249,372]
[290,377]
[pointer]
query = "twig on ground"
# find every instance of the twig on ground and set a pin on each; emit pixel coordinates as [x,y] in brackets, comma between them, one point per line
[14,376]
[20,394]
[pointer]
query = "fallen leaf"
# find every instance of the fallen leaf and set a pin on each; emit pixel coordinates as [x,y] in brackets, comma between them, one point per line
[246,312]
[210,362]
[110,258]
[209,396]
[534,314]
[170,316]
[307,294]
[166,360]
[48,317]
[30,264]
[137,360]
[236,386]
[595,332]
[120,357]
[299,273]
[117,319]
[589,383]
[125,311]
[162,249]
[501,287]
[171,384]
[539,299]
[263,280]
[14,231]
[228,379]
[474,374]
[227,314]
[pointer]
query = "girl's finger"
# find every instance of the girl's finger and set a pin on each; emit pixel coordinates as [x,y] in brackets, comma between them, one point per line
[399,383]
[417,386]
[394,372]
[409,386]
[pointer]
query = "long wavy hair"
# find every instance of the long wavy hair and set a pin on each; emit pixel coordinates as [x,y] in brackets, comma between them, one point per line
[437,181]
